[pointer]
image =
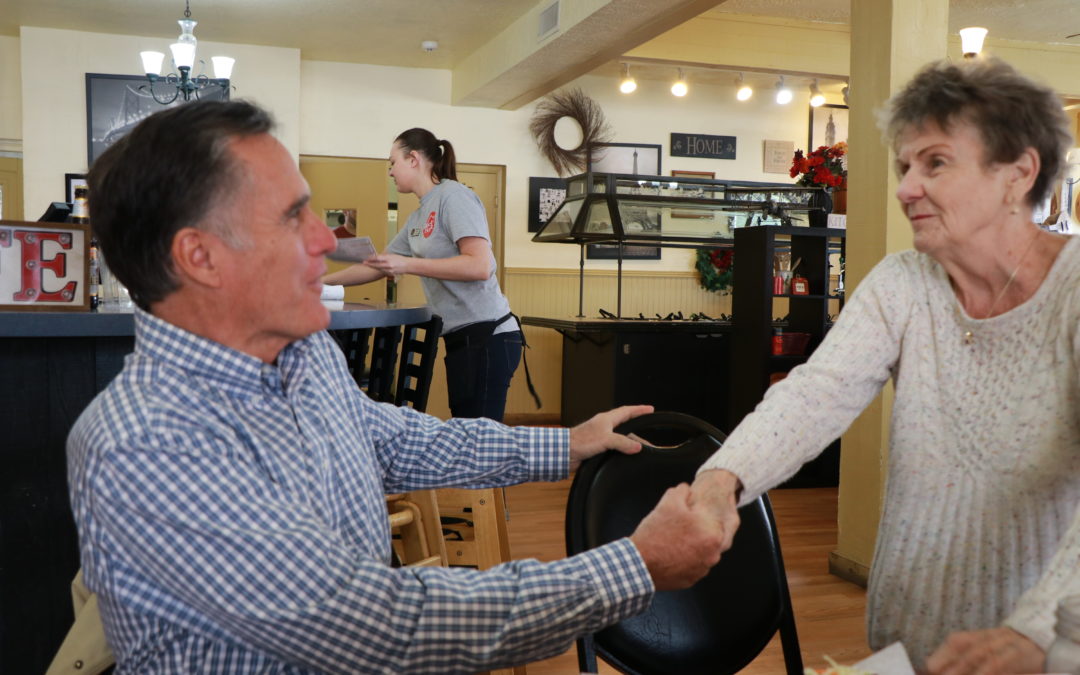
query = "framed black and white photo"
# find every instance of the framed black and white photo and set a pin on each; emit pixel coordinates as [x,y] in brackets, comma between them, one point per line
[546,195]
[72,181]
[626,158]
[116,103]
[632,158]
[828,126]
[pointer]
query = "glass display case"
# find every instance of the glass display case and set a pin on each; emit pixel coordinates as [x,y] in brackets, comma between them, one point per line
[672,212]
[605,208]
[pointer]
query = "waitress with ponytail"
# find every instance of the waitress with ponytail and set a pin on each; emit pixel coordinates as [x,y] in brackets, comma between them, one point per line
[446,243]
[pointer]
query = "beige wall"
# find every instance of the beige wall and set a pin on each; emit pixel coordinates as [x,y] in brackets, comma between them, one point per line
[10,95]
[53,92]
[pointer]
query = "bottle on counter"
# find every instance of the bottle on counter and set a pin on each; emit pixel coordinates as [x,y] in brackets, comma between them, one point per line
[95,274]
[1064,653]
[391,292]
[80,208]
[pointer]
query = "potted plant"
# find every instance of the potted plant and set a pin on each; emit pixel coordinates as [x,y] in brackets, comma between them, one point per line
[825,167]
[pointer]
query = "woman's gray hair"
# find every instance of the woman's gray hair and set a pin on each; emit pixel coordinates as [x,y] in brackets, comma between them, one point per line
[1010,111]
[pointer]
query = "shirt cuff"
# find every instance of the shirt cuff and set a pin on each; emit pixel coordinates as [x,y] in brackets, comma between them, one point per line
[620,577]
[547,451]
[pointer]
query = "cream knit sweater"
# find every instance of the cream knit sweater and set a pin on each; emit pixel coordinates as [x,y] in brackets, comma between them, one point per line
[980,522]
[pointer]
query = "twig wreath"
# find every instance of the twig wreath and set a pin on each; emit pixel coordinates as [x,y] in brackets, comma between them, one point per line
[576,105]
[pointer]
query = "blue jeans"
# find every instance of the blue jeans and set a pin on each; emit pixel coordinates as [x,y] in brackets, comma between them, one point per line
[478,375]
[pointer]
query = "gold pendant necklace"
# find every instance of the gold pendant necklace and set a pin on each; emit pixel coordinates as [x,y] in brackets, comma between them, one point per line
[969,337]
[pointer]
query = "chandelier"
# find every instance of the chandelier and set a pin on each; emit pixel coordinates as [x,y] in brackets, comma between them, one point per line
[184,86]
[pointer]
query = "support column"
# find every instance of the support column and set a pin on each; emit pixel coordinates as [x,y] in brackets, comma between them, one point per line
[890,41]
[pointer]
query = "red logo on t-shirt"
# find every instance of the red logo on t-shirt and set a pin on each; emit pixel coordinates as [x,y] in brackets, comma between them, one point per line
[430,227]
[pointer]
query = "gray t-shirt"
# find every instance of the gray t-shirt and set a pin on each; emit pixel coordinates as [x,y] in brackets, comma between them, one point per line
[448,212]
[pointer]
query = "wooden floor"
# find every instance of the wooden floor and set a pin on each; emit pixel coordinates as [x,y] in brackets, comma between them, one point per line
[828,610]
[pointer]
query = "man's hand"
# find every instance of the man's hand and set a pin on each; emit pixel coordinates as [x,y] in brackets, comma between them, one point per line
[716,491]
[597,434]
[986,652]
[679,542]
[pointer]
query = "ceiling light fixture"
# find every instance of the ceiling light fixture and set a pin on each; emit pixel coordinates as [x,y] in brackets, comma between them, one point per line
[183,54]
[743,90]
[817,99]
[971,40]
[679,88]
[628,84]
[429,45]
[845,91]
[783,92]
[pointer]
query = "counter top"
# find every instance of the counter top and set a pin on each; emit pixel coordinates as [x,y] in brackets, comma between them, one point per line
[121,322]
[599,325]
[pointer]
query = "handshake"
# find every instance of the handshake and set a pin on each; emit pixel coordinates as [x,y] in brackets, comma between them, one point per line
[685,534]
[683,537]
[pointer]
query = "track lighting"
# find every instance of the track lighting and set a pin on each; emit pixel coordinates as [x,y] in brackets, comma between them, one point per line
[743,90]
[971,41]
[845,91]
[783,92]
[628,84]
[679,88]
[817,99]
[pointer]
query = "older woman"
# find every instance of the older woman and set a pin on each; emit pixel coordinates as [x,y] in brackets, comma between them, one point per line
[978,328]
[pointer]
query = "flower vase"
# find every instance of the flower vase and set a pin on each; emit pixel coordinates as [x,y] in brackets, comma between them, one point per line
[839,198]
[821,205]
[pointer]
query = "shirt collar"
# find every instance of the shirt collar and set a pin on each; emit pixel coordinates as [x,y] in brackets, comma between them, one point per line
[233,371]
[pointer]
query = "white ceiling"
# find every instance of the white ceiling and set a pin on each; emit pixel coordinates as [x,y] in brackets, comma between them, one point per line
[389,32]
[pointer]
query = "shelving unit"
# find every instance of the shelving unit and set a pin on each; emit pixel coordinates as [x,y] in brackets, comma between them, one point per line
[755,307]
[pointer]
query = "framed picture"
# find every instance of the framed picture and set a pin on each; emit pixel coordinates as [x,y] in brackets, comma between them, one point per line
[692,193]
[828,125]
[628,158]
[546,195]
[777,156]
[72,181]
[611,252]
[633,158]
[56,259]
[116,103]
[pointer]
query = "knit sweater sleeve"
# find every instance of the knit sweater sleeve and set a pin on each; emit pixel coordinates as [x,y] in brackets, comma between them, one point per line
[800,415]
[1034,615]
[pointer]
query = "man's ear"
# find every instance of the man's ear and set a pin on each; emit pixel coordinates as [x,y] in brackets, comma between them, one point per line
[196,256]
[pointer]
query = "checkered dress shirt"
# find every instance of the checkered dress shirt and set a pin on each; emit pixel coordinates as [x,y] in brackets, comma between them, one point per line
[232,520]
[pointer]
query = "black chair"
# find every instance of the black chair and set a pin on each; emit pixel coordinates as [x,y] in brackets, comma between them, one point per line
[384,356]
[419,346]
[354,343]
[724,621]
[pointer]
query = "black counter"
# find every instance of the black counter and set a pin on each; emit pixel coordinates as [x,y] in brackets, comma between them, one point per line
[52,364]
[673,365]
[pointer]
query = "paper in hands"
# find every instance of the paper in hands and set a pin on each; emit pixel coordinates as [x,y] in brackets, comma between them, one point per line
[355,249]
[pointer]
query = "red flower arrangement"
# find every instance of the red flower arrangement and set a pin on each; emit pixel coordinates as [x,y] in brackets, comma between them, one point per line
[824,166]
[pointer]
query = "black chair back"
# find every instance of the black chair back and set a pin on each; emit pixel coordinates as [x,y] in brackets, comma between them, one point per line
[721,623]
[419,347]
[384,356]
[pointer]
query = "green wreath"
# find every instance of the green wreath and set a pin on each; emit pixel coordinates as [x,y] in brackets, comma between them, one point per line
[716,269]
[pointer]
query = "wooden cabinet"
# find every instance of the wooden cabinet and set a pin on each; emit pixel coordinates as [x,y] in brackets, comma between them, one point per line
[755,307]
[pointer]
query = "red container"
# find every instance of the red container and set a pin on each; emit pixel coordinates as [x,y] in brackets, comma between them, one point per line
[791,344]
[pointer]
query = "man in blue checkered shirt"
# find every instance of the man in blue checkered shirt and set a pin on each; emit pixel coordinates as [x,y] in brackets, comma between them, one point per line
[229,521]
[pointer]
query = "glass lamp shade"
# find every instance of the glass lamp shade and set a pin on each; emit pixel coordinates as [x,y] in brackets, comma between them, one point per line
[183,50]
[152,62]
[223,66]
[183,54]
[971,40]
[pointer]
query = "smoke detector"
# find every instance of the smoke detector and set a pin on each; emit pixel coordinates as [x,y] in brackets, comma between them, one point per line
[429,45]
